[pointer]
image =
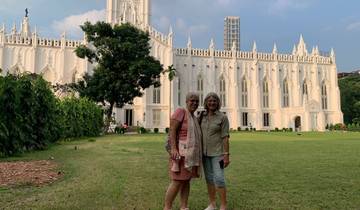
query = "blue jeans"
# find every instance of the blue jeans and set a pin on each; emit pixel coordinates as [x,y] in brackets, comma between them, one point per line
[213,173]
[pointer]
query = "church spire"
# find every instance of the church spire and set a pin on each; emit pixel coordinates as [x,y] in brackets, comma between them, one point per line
[332,55]
[294,50]
[275,51]
[25,26]
[301,48]
[14,30]
[212,44]
[254,49]
[233,47]
[170,36]
[189,44]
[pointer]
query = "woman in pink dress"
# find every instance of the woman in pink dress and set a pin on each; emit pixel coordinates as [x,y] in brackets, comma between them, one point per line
[185,154]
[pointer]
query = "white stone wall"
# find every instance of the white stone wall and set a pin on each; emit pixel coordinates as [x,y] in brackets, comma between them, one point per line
[56,60]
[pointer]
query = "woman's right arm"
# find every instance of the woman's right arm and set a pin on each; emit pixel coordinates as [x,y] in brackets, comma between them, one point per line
[174,126]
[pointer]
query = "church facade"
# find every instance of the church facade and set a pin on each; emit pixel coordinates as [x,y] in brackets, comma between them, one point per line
[257,90]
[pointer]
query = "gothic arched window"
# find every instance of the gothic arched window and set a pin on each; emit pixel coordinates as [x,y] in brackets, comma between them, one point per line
[244,93]
[285,93]
[156,94]
[324,99]
[222,91]
[200,89]
[305,88]
[265,89]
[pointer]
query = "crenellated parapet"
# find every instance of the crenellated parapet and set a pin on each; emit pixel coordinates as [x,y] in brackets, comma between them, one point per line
[18,39]
[251,55]
[165,39]
[299,54]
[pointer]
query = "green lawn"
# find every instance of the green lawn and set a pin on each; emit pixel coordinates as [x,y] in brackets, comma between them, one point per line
[268,171]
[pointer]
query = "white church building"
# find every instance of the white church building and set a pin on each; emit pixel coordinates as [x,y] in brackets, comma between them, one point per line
[258,90]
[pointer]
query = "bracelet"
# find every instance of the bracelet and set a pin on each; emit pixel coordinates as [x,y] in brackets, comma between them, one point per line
[226,153]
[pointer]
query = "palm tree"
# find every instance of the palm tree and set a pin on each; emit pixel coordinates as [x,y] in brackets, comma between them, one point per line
[171,75]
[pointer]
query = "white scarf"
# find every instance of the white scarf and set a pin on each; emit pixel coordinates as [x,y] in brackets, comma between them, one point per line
[193,155]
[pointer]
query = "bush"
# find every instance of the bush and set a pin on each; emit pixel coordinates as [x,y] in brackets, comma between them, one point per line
[340,127]
[156,130]
[238,128]
[167,130]
[120,130]
[246,129]
[290,129]
[276,129]
[142,130]
[80,117]
[353,127]
[32,117]
[28,112]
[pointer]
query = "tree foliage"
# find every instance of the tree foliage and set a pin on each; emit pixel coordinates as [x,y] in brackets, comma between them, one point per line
[80,117]
[350,98]
[31,117]
[124,67]
[28,114]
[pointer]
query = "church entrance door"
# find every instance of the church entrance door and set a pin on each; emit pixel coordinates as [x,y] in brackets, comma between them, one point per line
[129,117]
[298,123]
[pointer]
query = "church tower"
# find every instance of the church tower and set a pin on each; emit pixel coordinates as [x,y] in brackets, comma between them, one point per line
[136,12]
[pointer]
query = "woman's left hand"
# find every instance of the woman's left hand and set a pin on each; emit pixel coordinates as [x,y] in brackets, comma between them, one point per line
[226,160]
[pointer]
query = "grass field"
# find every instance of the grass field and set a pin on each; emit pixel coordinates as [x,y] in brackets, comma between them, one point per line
[268,171]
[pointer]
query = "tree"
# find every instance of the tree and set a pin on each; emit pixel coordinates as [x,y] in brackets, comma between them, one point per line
[124,67]
[171,75]
[350,97]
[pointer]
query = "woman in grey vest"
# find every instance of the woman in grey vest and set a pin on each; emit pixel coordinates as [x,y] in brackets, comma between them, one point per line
[215,130]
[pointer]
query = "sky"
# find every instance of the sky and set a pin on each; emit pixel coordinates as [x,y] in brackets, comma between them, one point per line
[325,23]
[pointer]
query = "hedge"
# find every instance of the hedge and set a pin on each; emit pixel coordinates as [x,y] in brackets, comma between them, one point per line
[31,117]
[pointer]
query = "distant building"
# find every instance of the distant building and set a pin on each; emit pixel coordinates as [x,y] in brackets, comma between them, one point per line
[232,33]
[345,74]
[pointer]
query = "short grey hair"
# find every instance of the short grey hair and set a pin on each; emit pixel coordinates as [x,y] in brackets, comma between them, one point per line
[214,95]
[191,94]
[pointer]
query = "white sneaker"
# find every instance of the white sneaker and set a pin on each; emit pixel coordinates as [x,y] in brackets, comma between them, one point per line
[210,207]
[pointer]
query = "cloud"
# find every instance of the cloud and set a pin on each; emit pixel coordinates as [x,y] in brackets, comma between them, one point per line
[353,26]
[162,23]
[283,5]
[187,30]
[71,24]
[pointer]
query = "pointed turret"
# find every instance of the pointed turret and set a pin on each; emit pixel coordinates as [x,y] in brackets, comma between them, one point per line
[25,27]
[3,29]
[34,37]
[301,48]
[63,40]
[317,52]
[275,51]
[170,31]
[212,44]
[332,55]
[254,49]
[170,36]
[294,50]
[14,30]
[189,44]
[233,47]
[2,36]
